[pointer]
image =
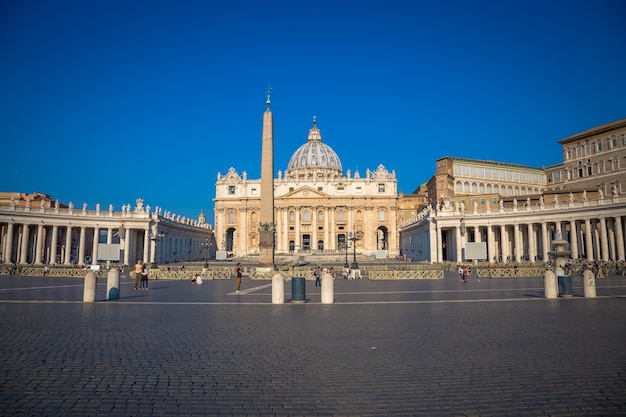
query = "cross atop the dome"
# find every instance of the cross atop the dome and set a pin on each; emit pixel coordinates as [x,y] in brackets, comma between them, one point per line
[314,120]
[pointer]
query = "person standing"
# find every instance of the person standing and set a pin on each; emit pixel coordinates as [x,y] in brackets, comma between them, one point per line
[239,273]
[316,274]
[46,271]
[144,278]
[138,269]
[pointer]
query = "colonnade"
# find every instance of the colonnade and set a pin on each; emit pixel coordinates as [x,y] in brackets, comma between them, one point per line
[66,237]
[593,230]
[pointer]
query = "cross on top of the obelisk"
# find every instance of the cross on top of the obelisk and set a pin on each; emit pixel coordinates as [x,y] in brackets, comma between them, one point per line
[268,96]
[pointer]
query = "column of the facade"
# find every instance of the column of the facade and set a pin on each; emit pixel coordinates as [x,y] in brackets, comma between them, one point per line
[545,244]
[314,228]
[619,238]
[588,240]
[109,235]
[333,228]
[52,259]
[477,235]
[297,238]
[24,244]
[245,232]
[328,244]
[532,242]
[604,241]
[504,243]
[8,247]
[94,249]
[573,239]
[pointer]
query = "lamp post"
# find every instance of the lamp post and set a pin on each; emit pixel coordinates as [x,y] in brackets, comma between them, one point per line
[206,244]
[155,237]
[345,246]
[353,237]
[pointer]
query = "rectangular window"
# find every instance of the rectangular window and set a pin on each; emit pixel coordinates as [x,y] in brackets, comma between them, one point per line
[231,189]
[358,190]
[253,191]
[381,188]
[341,190]
[612,142]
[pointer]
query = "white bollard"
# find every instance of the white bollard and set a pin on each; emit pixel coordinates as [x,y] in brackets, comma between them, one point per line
[589,283]
[549,284]
[89,290]
[328,289]
[278,289]
[113,284]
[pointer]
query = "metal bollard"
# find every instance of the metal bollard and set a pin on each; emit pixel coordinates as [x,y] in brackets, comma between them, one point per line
[278,289]
[298,290]
[89,290]
[113,284]
[589,283]
[328,289]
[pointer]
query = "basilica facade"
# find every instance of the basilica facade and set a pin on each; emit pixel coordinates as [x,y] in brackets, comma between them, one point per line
[317,209]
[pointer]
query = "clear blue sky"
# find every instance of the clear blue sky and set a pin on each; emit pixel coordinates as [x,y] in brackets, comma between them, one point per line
[108,101]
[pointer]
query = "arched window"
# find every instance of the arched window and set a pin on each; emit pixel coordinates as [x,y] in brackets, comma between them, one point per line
[381,215]
[517,190]
[458,187]
[231,217]
[489,189]
[509,190]
[466,187]
[474,188]
[481,188]
[292,217]
[340,216]
[253,217]
[496,189]
[307,216]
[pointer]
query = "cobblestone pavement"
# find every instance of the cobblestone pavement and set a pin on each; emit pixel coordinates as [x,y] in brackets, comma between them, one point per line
[493,347]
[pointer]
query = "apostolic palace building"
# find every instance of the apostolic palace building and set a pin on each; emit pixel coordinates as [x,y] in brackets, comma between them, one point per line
[468,210]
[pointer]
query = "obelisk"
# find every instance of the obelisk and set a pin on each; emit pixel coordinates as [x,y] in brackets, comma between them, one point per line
[267,228]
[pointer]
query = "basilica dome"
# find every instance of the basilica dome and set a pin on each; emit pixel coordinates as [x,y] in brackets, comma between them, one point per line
[314,155]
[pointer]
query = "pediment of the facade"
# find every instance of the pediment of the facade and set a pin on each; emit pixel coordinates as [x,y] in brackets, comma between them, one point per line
[305,192]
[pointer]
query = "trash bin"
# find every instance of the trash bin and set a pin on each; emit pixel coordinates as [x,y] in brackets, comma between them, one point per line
[565,286]
[298,290]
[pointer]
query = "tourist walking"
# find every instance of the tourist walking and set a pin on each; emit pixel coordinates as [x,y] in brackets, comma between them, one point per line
[46,271]
[138,270]
[239,273]
[144,278]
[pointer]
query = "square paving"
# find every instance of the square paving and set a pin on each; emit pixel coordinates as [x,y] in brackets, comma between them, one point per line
[490,347]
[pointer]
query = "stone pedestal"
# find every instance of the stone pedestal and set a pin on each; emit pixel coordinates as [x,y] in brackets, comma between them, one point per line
[328,289]
[278,289]
[549,284]
[266,249]
[589,283]
[89,289]
[113,284]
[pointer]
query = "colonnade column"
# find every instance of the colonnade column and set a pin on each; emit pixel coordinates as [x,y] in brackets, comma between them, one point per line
[436,248]
[573,239]
[39,244]
[588,240]
[490,244]
[53,245]
[68,245]
[604,241]
[517,250]
[459,244]
[94,249]
[619,237]
[146,247]
[8,248]
[545,241]
[81,246]
[24,248]
[532,243]
[504,243]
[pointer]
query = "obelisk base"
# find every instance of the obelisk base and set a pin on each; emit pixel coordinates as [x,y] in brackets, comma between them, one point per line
[266,249]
